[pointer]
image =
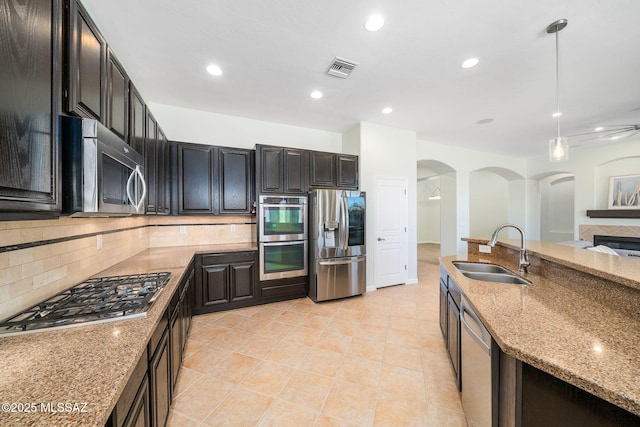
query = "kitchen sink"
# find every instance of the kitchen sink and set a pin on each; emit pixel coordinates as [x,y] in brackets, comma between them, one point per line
[496,277]
[489,273]
[475,267]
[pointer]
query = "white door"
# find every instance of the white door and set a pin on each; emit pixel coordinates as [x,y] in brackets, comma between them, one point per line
[391,238]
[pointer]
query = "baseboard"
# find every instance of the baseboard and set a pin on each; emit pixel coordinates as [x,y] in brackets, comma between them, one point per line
[412,281]
[371,289]
[429,241]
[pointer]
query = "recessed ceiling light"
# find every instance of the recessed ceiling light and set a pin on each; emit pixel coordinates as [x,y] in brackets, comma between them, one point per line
[557,114]
[387,110]
[374,23]
[469,63]
[214,70]
[598,129]
[316,94]
[484,121]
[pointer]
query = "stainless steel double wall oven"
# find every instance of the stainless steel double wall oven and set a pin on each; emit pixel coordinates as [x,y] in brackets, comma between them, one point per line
[282,236]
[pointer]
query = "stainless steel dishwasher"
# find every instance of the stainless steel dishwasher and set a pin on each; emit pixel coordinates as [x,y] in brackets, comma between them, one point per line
[478,370]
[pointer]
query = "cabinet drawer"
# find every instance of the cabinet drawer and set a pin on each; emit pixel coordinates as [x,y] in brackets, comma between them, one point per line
[227,258]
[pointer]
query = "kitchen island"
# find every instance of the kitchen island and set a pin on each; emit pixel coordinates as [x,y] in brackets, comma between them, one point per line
[74,376]
[577,321]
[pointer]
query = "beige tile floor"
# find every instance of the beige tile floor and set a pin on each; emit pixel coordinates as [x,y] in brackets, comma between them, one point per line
[373,360]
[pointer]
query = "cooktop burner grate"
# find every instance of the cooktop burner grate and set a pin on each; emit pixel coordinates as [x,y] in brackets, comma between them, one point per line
[97,299]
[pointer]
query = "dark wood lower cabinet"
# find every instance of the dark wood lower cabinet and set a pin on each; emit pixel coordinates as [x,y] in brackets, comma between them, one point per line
[160,382]
[132,408]
[530,397]
[139,414]
[147,396]
[225,281]
[283,289]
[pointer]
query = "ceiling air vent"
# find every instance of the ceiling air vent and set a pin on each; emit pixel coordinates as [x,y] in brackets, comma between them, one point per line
[341,67]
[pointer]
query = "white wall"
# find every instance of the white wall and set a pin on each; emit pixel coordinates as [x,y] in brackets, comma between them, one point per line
[488,203]
[428,211]
[201,127]
[556,208]
[464,162]
[592,168]
[386,152]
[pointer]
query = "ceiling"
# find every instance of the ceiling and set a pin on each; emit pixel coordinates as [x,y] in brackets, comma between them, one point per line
[274,53]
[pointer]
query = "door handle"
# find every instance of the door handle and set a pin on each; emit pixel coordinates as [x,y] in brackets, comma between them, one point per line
[380,239]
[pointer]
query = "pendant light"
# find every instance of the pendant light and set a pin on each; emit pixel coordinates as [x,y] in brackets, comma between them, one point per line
[558,146]
[435,195]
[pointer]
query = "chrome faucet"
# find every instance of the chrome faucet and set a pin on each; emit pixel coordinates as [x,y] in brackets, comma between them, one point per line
[524,257]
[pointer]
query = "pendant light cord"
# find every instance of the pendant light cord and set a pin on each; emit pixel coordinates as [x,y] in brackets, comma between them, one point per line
[557,84]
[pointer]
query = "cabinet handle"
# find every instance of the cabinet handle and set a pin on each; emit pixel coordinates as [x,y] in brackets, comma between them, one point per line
[380,239]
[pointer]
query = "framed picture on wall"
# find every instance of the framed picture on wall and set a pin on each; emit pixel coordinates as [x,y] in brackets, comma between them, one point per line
[624,192]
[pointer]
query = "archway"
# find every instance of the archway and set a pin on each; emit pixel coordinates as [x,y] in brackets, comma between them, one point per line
[436,208]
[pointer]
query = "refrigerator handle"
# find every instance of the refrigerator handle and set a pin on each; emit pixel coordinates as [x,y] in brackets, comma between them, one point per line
[344,222]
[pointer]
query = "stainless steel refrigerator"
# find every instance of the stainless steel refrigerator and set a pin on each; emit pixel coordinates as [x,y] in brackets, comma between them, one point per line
[337,251]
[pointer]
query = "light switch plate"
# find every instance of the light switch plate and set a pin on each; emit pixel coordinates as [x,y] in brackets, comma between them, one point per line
[233,228]
[485,249]
[183,229]
[99,241]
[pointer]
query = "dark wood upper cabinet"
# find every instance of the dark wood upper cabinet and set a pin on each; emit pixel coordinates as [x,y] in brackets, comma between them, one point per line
[117,97]
[164,172]
[211,180]
[347,171]
[281,170]
[322,169]
[195,179]
[295,171]
[235,180]
[151,163]
[270,169]
[86,65]
[30,71]
[137,120]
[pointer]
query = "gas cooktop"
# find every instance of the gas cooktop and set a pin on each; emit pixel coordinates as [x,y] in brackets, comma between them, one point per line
[95,300]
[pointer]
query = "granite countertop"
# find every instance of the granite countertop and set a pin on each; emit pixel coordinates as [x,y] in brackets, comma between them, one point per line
[87,367]
[584,333]
[620,269]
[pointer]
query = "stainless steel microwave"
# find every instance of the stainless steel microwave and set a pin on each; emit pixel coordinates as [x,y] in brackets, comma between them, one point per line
[101,174]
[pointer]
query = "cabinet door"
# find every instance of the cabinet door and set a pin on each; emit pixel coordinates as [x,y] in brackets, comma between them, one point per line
[322,169]
[186,310]
[243,281]
[137,120]
[29,146]
[140,411]
[235,180]
[295,171]
[87,65]
[453,338]
[164,169]
[443,311]
[151,163]
[347,171]
[160,383]
[175,344]
[117,97]
[271,169]
[195,179]
[215,285]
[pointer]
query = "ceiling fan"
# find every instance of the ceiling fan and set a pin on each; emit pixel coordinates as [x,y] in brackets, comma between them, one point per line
[610,132]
